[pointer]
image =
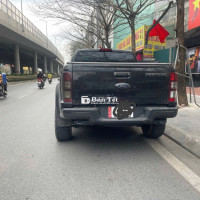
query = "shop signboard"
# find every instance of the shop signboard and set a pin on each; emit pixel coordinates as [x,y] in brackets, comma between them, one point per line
[194,14]
[139,39]
[193,60]
[154,43]
[125,44]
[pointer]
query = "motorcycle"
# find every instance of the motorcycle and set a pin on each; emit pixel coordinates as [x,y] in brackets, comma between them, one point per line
[50,80]
[40,83]
[2,92]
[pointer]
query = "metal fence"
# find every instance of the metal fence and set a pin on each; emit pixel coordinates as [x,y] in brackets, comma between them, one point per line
[7,7]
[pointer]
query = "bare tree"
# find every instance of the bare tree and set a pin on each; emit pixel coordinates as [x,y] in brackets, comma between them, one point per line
[132,11]
[100,16]
[76,34]
[72,46]
[180,68]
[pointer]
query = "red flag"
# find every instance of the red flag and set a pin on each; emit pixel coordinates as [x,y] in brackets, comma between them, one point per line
[194,14]
[159,31]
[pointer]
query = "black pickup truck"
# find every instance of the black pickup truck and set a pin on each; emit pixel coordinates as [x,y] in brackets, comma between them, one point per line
[110,88]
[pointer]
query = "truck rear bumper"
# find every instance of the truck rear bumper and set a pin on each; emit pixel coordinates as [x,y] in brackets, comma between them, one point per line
[98,116]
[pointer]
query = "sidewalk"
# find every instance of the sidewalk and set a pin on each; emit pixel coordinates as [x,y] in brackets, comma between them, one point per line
[184,129]
[196,90]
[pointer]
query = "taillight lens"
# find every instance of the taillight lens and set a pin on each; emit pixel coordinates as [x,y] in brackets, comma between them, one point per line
[67,86]
[67,94]
[172,87]
[104,50]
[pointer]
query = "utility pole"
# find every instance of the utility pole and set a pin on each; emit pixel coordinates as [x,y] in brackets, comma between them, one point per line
[47,35]
[180,68]
[22,15]
[21,6]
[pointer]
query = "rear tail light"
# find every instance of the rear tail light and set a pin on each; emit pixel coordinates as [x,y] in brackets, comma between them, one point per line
[67,86]
[172,87]
[108,50]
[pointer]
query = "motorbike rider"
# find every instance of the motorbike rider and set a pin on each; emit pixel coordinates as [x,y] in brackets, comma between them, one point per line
[40,75]
[3,80]
[50,76]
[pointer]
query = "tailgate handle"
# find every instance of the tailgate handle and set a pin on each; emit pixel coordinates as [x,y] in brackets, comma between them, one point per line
[124,75]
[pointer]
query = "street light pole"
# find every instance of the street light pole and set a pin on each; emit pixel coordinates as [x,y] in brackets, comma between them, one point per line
[55,44]
[21,7]
[22,15]
[47,35]
[46,30]
[55,40]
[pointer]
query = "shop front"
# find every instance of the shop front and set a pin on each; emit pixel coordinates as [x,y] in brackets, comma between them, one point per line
[143,52]
[192,42]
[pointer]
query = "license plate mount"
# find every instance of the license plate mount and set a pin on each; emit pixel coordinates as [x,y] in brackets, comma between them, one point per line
[111,116]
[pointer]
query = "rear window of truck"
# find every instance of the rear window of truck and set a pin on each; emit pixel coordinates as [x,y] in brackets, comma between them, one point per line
[98,56]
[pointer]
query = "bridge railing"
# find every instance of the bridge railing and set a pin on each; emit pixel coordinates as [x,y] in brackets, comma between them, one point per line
[7,7]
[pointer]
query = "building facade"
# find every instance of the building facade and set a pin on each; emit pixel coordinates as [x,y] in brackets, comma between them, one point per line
[168,22]
[146,18]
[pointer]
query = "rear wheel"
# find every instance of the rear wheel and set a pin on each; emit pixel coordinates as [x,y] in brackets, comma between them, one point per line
[153,130]
[63,132]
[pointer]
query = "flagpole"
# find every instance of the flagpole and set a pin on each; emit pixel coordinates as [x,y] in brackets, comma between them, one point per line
[164,13]
[172,37]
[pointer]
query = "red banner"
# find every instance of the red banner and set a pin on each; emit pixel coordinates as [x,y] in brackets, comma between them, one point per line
[194,14]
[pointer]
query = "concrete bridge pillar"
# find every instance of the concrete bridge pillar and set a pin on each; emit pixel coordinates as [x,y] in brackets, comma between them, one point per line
[54,68]
[58,69]
[45,64]
[35,67]
[17,60]
[51,66]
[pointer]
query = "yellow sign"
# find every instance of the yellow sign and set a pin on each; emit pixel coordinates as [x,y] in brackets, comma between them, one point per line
[25,68]
[154,43]
[125,44]
[139,39]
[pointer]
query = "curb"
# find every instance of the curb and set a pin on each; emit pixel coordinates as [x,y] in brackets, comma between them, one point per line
[24,81]
[18,82]
[188,142]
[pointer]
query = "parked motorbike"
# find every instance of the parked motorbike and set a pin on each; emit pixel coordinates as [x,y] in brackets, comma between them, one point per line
[50,80]
[2,92]
[40,83]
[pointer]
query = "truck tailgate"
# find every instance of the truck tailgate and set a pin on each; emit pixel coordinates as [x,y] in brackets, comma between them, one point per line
[141,83]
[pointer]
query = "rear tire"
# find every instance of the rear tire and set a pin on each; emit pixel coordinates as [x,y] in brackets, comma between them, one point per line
[153,130]
[62,131]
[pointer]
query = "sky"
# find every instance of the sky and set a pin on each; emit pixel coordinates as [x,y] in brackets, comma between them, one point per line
[53,29]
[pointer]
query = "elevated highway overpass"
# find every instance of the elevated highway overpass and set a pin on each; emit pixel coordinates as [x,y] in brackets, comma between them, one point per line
[23,44]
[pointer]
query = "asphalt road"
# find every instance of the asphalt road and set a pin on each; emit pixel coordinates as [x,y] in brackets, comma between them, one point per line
[98,164]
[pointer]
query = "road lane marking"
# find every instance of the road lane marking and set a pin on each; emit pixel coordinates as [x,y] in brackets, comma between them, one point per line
[22,97]
[182,169]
